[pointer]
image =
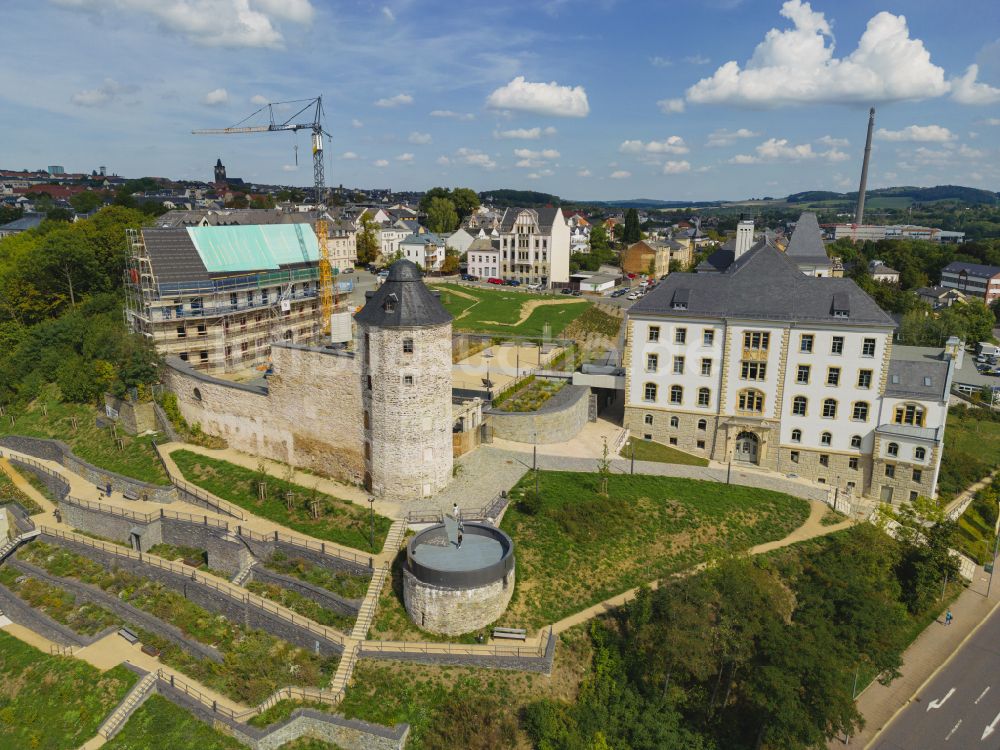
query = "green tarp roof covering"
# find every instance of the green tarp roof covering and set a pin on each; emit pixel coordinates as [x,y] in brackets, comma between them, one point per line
[267,247]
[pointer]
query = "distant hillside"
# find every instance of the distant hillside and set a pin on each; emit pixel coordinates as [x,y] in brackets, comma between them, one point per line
[525,198]
[649,203]
[971,196]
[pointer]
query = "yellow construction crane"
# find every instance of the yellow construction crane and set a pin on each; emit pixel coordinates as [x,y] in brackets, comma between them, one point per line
[326,292]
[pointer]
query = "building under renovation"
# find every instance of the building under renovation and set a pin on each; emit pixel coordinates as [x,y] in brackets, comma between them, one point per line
[218,296]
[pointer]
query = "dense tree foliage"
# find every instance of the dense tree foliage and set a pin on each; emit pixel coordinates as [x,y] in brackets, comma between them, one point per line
[463,202]
[366,241]
[441,215]
[61,310]
[632,232]
[759,653]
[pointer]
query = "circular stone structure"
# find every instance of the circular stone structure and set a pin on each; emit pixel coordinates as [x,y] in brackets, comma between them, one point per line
[452,590]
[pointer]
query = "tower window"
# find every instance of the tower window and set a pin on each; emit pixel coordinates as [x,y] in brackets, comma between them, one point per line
[407,346]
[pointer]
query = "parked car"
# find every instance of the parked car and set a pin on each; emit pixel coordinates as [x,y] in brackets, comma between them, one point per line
[513,282]
[565,290]
[631,275]
[468,277]
[577,293]
[634,295]
[349,269]
[494,280]
[619,292]
[384,273]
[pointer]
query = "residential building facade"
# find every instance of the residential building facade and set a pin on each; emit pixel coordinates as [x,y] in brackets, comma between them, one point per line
[973,279]
[483,259]
[762,364]
[534,246]
[427,250]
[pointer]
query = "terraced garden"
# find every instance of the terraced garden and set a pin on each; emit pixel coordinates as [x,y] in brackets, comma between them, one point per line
[503,311]
[53,702]
[335,520]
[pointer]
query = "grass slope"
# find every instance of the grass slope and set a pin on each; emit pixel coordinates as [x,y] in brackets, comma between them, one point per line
[576,548]
[647,450]
[53,702]
[93,444]
[159,724]
[9,493]
[971,449]
[340,521]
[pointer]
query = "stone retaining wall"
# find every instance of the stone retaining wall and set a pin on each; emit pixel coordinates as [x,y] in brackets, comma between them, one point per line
[452,611]
[55,484]
[208,598]
[56,450]
[85,592]
[319,595]
[349,734]
[24,614]
[559,419]
[541,664]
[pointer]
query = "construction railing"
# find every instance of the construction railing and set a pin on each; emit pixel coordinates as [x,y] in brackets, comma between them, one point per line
[216,503]
[28,461]
[222,586]
[114,510]
[489,510]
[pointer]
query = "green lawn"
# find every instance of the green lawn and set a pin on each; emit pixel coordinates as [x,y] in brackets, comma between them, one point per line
[159,724]
[88,441]
[971,449]
[11,494]
[339,520]
[498,310]
[576,548]
[976,525]
[53,702]
[647,450]
[255,663]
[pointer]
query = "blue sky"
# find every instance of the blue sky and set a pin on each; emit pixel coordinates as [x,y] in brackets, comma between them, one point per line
[674,100]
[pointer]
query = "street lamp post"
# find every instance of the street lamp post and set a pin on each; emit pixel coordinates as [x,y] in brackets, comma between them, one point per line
[996,548]
[371,507]
[632,456]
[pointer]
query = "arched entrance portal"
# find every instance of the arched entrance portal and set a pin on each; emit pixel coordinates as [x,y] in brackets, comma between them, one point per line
[746,450]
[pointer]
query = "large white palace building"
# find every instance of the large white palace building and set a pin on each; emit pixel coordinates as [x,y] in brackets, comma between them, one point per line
[764,364]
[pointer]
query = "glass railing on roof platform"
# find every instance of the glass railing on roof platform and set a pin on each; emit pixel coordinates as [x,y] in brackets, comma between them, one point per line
[237,283]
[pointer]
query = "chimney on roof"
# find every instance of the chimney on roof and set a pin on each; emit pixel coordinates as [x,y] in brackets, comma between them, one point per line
[859,215]
[744,237]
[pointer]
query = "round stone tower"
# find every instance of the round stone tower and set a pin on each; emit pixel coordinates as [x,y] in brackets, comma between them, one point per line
[404,343]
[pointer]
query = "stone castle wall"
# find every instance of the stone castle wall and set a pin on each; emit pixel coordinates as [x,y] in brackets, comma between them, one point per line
[559,419]
[309,415]
[408,410]
[455,611]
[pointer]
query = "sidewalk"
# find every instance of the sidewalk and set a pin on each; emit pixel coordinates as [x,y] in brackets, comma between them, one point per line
[931,650]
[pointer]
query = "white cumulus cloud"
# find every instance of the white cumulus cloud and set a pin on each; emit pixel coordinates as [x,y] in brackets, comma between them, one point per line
[258,99]
[349,155]
[797,65]
[540,98]
[525,134]
[583,173]
[394,101]
[676,167]
[697,60]
[917,134]
[474,158]
[215,96]
[419,139]
[212,23]
[660,62]
[779,149]
[672,145]
[671,106]
[829,140]
[967,90]
[289,168]
[356,123]
[405,157]
[381,163]
[723,137]
[621,174]
[387,14]
[443,160]
[527,153]
[451,114]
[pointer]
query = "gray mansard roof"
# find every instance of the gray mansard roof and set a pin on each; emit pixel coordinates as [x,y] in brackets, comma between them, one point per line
[763,284]
[545,217]
[915,373]
[403,301]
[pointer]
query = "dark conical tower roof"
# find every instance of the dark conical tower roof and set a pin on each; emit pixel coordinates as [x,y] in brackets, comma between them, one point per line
[403,301]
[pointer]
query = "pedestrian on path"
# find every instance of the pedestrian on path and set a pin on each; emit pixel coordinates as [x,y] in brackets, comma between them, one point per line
[459,540]
[454,511]
[948,617]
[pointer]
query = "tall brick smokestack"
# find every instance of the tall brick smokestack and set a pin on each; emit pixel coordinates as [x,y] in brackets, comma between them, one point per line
[859,215]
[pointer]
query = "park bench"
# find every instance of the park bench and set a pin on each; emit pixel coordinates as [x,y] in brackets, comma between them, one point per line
[512,634]
[150,650]
[128,635]
[131,493]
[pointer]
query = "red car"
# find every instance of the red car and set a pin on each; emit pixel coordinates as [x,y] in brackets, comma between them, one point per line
[494,281]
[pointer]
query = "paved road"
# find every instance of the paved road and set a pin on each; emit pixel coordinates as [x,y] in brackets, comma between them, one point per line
[960,707]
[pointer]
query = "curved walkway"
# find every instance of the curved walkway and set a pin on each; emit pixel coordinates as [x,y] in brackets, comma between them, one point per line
[812,528]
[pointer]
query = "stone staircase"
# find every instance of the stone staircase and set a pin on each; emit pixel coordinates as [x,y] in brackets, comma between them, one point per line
[394,538]
[342,678]
[241,577]
[113,724]
[366,613]
[8,547]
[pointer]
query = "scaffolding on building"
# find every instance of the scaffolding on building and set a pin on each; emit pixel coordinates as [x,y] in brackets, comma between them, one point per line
[155,309]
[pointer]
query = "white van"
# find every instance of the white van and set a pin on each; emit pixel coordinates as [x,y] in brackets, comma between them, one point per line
[984,348]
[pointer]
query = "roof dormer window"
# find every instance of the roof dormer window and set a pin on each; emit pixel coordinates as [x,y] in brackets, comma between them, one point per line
[390,303]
